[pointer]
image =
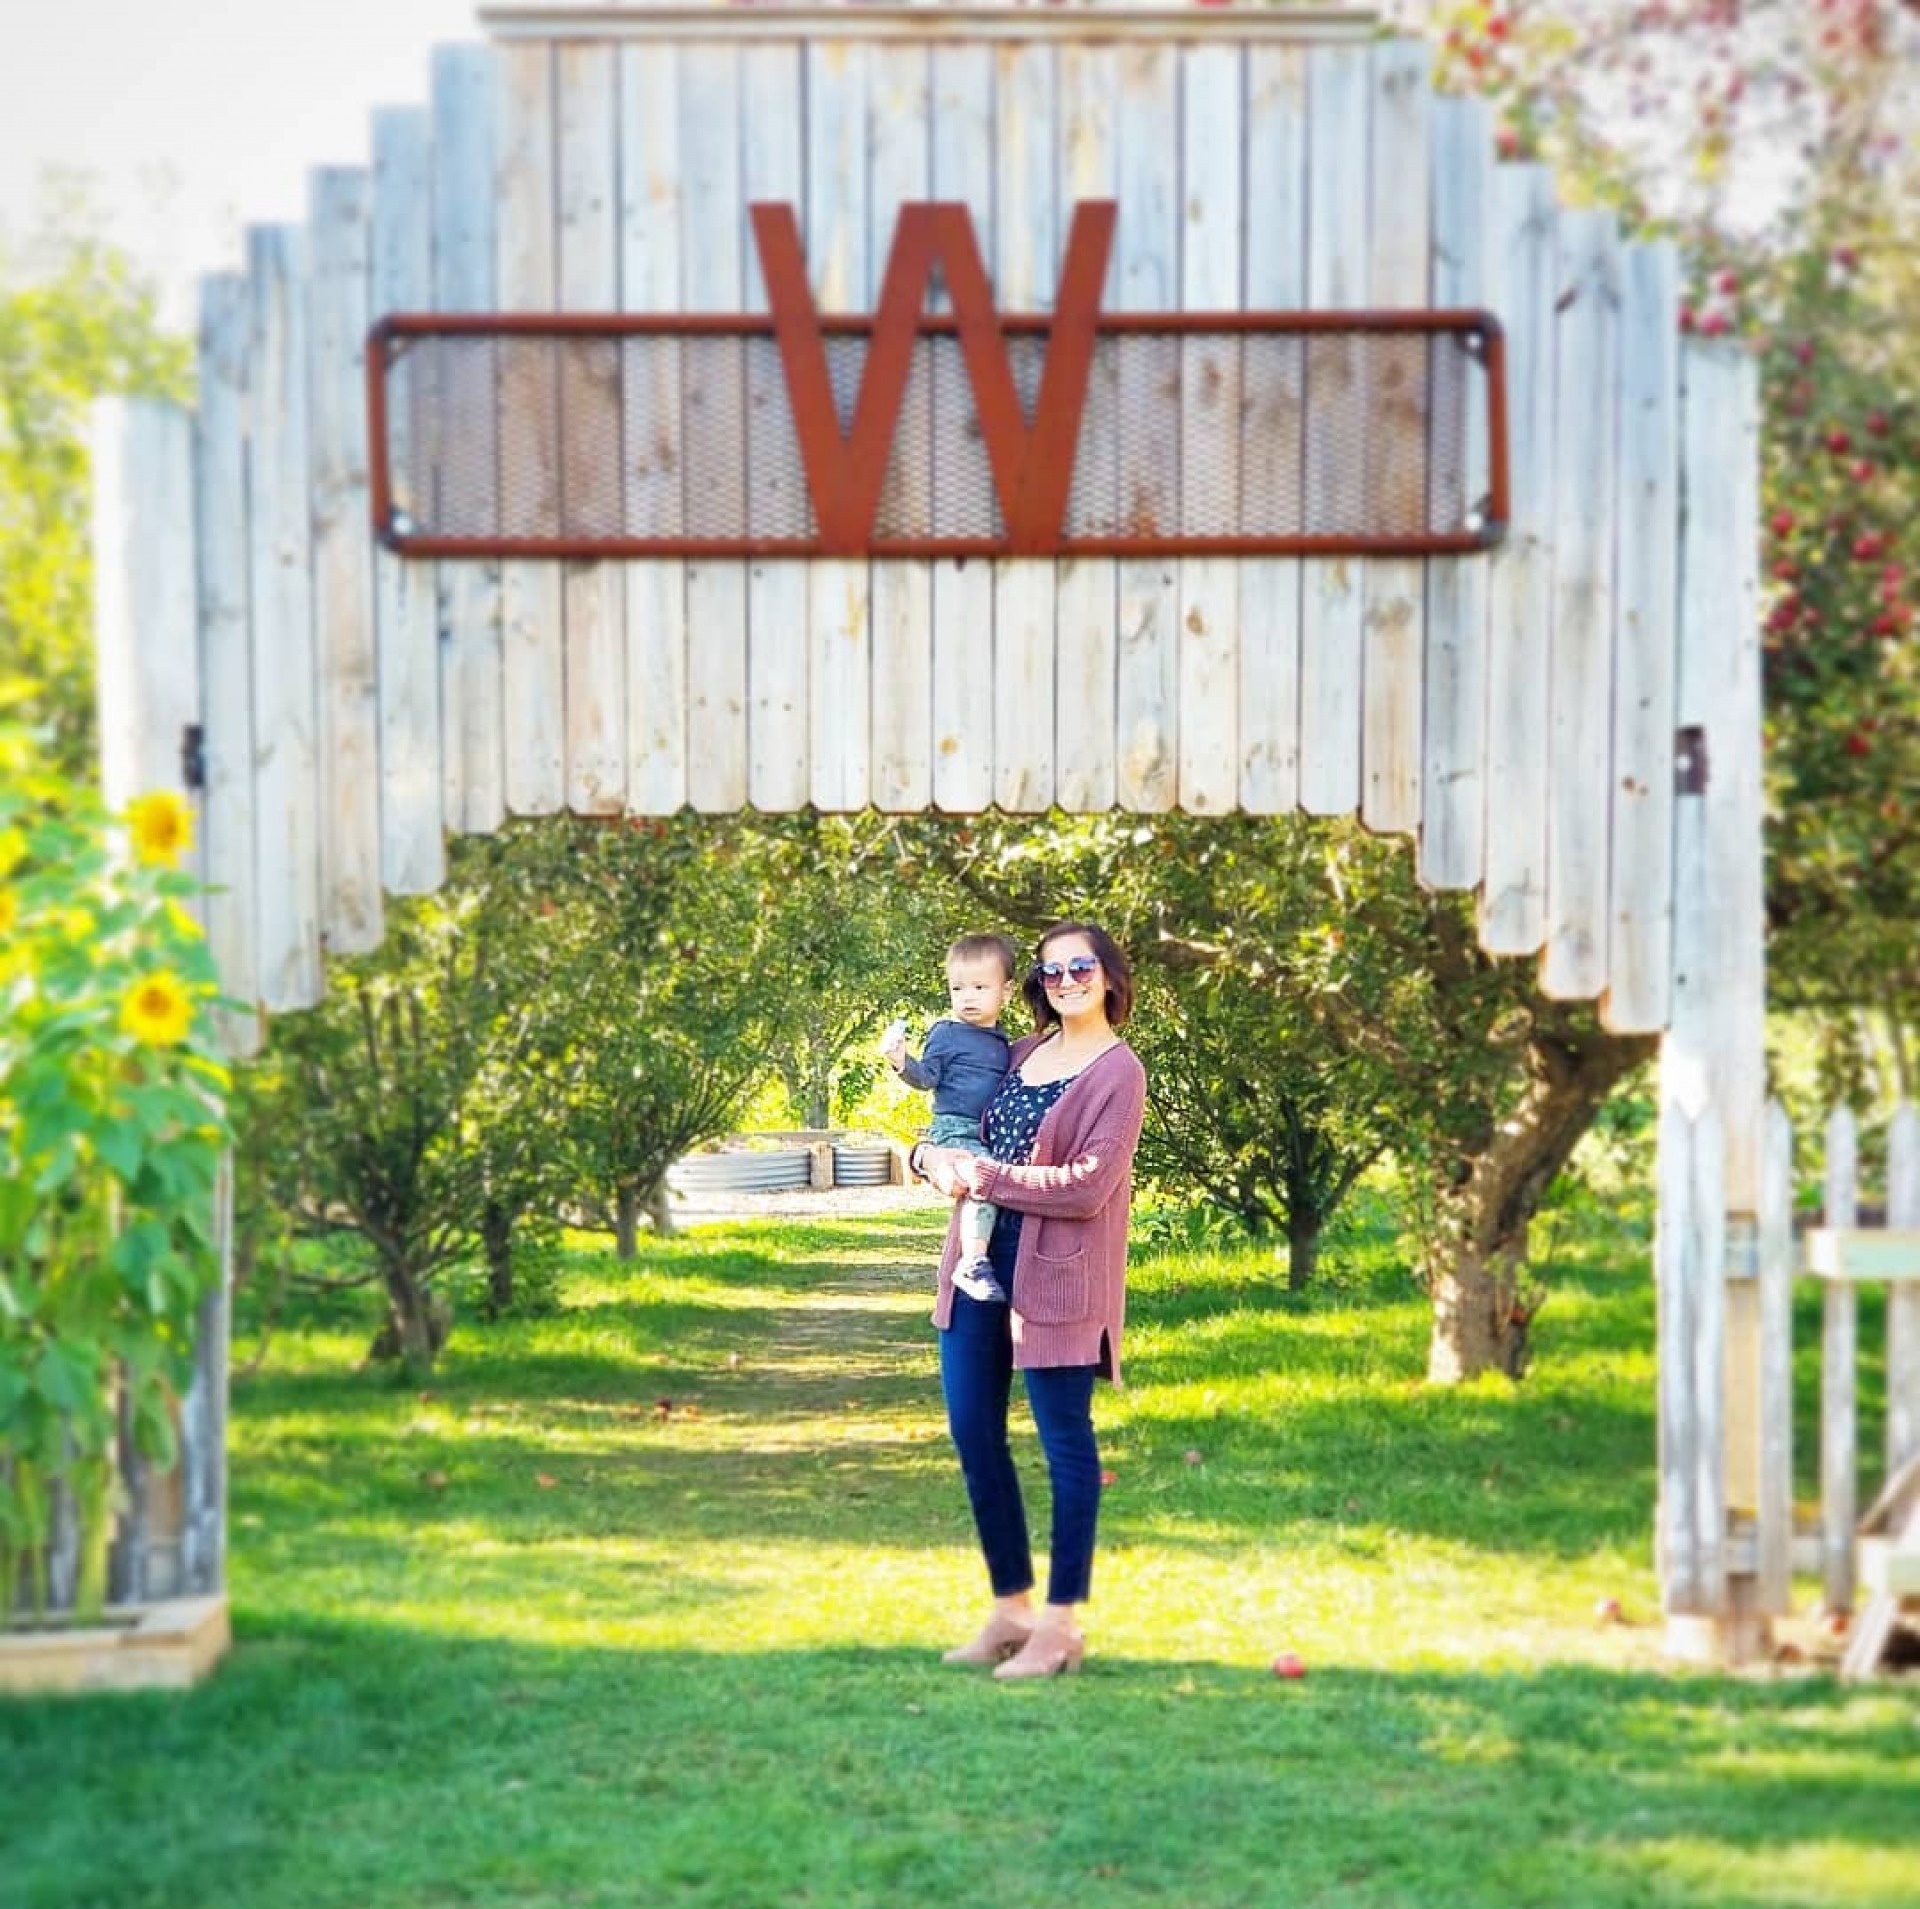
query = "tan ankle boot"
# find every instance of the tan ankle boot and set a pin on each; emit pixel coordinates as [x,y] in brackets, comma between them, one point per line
[999,1637]
[1051,1651]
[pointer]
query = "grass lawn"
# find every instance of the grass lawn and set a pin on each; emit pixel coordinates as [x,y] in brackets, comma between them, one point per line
[639,1604]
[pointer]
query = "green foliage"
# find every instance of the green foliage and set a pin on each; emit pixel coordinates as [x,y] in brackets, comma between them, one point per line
[646,991]
[860,934]
[77,322]
[351,1115]
[112,1124]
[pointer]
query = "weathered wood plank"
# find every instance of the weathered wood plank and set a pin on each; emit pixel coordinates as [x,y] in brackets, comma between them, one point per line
[1714,1047]
[203,1414]
[587,269]
[286,870]
[1903,1296]
[839,254]
[145,607]
[1454,723]
[1839,1376]
[144,603]
[1026,250]
[1677,1283]
[650,278]
[1773,1507]
[340,232]
[1333,589]
[532,627]
[1087,586]
[1640,786]
[1394,617]
[712,198]
[1863,1254]
[779,644]
[1145,276]
[472,688]
[412,790]
[1275,384]
[1586,511]
[1213,122]
[1708,1354]
[901,734]
[1520,594]
[963,597]
[226,665]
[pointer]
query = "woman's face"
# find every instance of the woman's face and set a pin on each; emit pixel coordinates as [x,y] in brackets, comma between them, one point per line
[1079,993]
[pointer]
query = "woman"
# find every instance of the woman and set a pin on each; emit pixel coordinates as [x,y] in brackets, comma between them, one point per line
[1061,1134]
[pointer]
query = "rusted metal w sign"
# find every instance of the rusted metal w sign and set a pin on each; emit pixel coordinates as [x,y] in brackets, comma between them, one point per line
[1032,464]
[909,432]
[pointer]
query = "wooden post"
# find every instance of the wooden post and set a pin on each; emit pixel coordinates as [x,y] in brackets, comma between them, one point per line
[1839,1352]
[1903,1295]
[1773,1507]
[147,629]
[1712,1053]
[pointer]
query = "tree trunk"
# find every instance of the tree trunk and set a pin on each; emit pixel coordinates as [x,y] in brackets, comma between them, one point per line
[660,1207]
[1480,1321]
[626,1221]
[819,1103]
[412,1334]
[1303,1249]
[496,1234]
[1477,1263]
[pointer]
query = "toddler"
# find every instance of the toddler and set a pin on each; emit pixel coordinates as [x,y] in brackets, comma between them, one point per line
[963,1063]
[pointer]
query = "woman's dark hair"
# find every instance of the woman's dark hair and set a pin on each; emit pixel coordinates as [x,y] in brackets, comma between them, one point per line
[1114,969]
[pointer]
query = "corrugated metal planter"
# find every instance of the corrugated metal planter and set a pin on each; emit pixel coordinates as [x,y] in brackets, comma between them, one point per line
[779,1171]
[862,1166]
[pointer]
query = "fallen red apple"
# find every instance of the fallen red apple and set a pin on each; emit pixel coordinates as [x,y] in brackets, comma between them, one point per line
[1607,1611]
[1288,1664]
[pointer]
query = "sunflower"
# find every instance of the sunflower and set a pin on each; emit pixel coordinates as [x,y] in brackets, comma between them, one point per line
[157,1010]
[162,826]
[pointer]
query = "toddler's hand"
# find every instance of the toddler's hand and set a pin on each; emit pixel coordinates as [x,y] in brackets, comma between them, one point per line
[893,1044]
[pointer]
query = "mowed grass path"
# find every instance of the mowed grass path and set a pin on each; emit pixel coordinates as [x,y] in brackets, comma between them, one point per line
[641,1604]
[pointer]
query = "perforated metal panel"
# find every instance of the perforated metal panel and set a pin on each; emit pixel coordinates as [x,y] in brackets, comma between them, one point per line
[1266,434]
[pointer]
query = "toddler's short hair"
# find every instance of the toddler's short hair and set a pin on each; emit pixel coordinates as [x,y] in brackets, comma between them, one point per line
[975,947]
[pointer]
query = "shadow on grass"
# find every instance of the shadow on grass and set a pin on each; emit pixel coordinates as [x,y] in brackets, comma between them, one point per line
[375,1765]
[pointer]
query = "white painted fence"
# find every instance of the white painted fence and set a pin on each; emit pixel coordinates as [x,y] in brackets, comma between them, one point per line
[1704,1539]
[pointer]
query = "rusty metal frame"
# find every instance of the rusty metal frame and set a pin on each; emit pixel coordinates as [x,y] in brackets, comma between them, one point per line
[1044,451]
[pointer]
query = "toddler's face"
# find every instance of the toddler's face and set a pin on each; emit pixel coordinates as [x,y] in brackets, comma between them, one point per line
[978,989]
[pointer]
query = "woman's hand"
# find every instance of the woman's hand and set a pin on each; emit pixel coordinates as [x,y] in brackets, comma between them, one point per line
[949,1170]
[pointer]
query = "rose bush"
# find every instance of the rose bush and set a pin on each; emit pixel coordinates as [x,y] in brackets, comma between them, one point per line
[112,1127]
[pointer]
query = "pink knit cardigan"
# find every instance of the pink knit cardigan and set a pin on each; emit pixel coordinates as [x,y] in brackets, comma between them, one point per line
[1070,1277]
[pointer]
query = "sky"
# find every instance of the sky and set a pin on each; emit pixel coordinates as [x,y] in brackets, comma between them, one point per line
[196,118]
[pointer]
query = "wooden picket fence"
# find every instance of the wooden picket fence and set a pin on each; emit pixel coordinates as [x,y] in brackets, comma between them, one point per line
[1705,1540]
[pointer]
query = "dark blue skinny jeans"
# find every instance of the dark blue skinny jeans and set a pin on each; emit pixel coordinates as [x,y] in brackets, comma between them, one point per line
[976,1375]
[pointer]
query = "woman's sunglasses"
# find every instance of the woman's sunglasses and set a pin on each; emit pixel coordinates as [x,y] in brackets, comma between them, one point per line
[1053,974]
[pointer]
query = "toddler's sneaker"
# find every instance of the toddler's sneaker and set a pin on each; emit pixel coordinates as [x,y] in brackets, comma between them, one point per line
[979,1282]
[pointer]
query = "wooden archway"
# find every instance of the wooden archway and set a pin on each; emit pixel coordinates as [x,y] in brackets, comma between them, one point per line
[1567,726]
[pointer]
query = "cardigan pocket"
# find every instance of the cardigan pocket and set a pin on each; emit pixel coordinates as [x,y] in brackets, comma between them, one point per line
[1053,1292]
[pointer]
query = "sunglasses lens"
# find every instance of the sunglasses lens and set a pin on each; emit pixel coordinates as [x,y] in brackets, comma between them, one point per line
[1080,968]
